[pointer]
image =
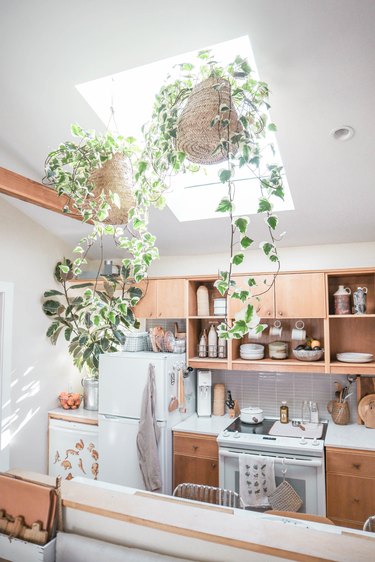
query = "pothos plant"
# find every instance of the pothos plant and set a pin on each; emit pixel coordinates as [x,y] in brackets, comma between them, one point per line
[92,322]
[241,148]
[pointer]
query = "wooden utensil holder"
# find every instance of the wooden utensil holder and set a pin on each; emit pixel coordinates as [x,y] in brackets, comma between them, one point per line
[234,412]
[339,411]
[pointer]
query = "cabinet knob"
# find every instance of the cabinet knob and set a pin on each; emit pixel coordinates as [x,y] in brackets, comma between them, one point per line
[357,465]
[280,313]
[195,447]
[356,500]
[268,313]
[213,464]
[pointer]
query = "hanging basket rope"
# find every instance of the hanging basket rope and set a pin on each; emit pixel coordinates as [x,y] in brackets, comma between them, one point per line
[116,176]
[195,135]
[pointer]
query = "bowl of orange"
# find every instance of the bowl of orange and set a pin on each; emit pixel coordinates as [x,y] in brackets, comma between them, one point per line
[70,400]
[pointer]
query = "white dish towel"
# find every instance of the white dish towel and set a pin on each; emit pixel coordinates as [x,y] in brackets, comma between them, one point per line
[257,479]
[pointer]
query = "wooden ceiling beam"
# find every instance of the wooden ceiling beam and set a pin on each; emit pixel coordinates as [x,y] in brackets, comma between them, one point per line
[31,191]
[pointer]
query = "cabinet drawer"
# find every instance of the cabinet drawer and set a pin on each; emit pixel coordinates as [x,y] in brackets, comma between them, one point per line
[351,462]
[195,470]
[195,446]
[350,498]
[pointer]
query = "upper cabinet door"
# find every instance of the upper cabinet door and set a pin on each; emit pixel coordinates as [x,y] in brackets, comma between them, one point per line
[147,306]
[300,295]
[263,303]
[171,298]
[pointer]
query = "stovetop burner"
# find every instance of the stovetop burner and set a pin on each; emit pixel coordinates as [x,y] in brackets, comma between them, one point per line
[262,428]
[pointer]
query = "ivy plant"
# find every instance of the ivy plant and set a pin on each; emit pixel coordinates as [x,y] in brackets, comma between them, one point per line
[92,321]
[243,148]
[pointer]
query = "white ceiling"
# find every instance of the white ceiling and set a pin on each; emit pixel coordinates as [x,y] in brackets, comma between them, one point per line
[317,57]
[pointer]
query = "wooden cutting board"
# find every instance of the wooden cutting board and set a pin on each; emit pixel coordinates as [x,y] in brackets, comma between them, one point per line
[312,431]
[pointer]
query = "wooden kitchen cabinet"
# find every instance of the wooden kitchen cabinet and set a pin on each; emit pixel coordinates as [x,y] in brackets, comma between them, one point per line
[264,304]
[300,295]
[163,298]
[350,486]
[195,459]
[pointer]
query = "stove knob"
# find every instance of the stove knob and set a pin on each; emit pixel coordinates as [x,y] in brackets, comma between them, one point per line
[225,433]
[315,442]
[236,434]
[303,441]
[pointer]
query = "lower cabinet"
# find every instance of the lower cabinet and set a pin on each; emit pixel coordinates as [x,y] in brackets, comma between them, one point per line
[195,459]
[350,486]
[73,449]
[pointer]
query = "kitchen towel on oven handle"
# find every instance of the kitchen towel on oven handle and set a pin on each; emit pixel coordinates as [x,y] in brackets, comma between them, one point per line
[257,479]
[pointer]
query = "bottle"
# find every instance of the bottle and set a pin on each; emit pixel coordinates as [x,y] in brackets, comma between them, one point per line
[221,348]
[314,413]
[202,347]
[305,412]
[212,341]
[284,413]
[341,299]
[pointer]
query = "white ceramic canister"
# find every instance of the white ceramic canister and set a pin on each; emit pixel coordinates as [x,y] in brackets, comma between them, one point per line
[359,300]
[251,415]
[341,300]
[203,307]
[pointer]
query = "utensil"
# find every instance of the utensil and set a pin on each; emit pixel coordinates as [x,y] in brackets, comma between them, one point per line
[347,396]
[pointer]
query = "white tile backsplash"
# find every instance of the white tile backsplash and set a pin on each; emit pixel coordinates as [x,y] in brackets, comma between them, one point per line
[268,390]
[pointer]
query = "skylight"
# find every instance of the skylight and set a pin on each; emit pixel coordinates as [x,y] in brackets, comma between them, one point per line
[193,196]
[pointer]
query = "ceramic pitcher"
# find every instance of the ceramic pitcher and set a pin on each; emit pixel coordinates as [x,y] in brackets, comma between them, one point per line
[342,300]
[359,300]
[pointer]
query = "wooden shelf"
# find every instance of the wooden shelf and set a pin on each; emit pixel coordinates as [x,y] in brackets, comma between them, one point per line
[284,365]
[208,363]
[206,317]
[352,316]
[339,367]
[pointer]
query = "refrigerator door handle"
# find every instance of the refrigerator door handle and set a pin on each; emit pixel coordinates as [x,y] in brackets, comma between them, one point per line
[110,417]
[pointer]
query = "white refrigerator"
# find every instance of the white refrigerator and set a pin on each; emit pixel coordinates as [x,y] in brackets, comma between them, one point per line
[122,379]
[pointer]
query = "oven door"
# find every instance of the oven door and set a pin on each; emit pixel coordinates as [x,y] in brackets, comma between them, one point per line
[305,474]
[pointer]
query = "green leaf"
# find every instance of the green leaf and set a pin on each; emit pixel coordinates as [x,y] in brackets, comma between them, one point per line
[246,241]
[267,247]
[68,333]
[272,127]
[264,205]
[272,221]
[52,293]
[51,307]
[120,337]
[221,286]
[237,259]
[224,206]
[142,166]
[64,268]
[109,229]
[52,329]
[242,223]
[81,285]
[251,282]
[225,175]
[249,313]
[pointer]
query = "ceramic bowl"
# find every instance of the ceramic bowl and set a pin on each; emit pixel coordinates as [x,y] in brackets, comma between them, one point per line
[306,355]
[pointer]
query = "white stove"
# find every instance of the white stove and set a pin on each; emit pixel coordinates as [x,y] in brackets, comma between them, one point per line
[303,458]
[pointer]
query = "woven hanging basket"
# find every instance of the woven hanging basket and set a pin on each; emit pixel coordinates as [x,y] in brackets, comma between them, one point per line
[195,136]
[115,175]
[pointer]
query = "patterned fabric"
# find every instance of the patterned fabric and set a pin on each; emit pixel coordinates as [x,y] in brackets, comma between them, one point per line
[257,479]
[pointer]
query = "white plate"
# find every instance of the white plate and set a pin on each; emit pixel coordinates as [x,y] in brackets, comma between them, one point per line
[252,357]
[352,357]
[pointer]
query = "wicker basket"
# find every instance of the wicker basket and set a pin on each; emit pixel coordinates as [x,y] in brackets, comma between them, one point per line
[115,175]
[195,135]
[136,342]
[339,411]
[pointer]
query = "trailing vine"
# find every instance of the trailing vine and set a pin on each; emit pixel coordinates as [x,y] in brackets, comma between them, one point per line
[162,159]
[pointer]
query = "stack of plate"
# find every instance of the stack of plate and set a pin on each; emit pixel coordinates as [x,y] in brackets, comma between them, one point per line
[252,351]
[220,307]
[352,357]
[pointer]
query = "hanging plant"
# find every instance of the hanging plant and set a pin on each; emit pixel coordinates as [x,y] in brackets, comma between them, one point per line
[96,175]
[209,114]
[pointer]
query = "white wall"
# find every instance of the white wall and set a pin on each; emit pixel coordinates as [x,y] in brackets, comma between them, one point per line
[28,254]
[330,256]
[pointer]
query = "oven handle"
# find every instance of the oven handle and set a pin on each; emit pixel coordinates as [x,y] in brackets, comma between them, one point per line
[282,460]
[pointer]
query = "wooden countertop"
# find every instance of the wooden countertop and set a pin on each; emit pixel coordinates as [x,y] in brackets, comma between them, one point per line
[176,527]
